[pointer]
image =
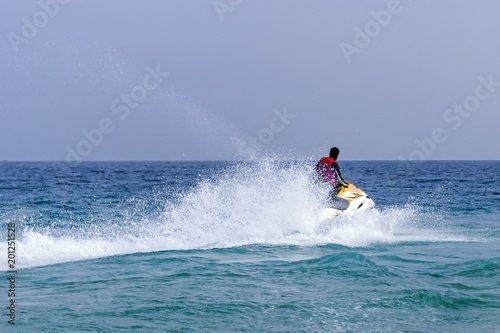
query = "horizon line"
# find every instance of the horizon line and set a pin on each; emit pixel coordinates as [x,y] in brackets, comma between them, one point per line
[255,160]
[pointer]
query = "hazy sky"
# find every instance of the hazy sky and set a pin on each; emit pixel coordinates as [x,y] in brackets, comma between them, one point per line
[87,79]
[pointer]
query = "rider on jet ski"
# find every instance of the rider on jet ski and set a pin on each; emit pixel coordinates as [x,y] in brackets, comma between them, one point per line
[342,202]
[328,170]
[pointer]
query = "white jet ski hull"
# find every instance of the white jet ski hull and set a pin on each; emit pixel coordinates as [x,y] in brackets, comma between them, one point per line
[358,201]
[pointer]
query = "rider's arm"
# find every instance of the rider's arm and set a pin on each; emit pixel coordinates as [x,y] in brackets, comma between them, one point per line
[342,182]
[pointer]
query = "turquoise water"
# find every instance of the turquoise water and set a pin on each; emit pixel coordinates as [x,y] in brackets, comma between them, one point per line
[236,247]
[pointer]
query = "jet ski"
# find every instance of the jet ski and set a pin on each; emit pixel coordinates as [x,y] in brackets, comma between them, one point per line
[348,201]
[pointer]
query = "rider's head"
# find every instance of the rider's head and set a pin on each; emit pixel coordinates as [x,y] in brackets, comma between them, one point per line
[334,153]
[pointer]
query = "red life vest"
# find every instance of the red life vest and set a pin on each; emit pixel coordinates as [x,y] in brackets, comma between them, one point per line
[325,172]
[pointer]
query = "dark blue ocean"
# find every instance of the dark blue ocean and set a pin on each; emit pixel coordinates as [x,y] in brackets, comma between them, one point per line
[237,247]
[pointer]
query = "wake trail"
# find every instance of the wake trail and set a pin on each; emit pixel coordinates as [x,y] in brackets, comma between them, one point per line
[266,203]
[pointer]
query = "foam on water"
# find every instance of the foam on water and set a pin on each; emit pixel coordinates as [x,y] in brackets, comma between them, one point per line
[266,203]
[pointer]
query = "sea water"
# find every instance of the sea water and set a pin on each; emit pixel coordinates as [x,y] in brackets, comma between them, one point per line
[237,247]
